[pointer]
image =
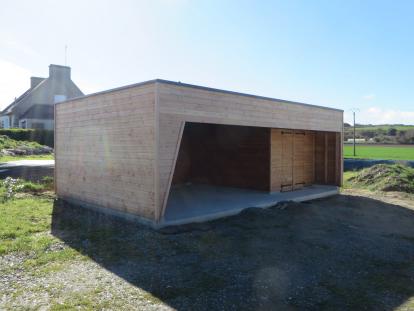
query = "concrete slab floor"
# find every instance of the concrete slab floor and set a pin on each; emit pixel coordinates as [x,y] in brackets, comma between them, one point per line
[201,202]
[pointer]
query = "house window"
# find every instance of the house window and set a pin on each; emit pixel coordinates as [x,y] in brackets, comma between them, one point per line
[4,122]
[23,124]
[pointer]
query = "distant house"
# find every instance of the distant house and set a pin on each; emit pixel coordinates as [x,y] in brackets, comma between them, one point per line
[357,140]
[35,107]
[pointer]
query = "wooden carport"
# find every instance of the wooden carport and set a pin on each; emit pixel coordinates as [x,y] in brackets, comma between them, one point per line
[119,150]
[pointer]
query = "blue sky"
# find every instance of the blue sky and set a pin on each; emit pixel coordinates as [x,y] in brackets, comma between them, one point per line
[342,54]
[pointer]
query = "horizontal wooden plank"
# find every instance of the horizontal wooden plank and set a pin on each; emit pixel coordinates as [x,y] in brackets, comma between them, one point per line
[105,147]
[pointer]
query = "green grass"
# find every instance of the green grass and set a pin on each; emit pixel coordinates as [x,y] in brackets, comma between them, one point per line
[21,222]
[25,215]
[25,221]
[347,184]
[28,157]
[380,152]
[7,142]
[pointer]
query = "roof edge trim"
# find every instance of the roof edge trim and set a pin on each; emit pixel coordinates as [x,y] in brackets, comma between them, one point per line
[205,88]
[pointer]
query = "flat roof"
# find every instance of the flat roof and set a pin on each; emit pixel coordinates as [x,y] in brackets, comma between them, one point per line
[205,88]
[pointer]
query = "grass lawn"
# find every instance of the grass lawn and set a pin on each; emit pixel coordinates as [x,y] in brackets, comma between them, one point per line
[380,152]
[28,157]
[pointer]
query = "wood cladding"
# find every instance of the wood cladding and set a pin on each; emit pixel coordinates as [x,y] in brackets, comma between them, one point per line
[180,104]
[233,156]
[120,149]
[105,150]
[292,159]
[327,158]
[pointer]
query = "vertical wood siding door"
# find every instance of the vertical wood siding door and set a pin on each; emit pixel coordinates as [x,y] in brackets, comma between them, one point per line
[276,160]
[309,154]
[292,159]
[287,160]
[299,159]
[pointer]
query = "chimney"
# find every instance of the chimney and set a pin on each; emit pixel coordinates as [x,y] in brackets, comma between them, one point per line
[34,81]
[59,72]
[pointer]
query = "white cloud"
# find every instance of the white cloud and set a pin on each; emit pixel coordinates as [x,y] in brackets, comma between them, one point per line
[377,115]
[369,97]
[14,80]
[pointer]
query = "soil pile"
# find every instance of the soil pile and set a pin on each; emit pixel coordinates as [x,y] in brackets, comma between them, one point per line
[385,177]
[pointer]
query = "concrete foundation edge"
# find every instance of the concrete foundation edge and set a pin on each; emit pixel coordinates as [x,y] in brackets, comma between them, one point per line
[110,212]
[233,212]
[204,218]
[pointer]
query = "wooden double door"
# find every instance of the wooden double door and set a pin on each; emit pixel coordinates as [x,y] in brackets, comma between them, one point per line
[292,159]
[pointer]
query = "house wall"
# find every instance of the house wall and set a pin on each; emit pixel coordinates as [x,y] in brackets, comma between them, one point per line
[180,104]
[47,124]
[105,150]
[5,122]
[44,94]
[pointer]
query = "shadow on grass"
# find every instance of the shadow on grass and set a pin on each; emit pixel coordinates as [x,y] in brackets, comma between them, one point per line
[344,252]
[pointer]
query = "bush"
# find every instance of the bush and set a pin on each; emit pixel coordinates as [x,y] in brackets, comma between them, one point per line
[43,137]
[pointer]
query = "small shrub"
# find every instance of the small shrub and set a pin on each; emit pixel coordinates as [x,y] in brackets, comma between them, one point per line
[11,186]
[32,187]
[48,182]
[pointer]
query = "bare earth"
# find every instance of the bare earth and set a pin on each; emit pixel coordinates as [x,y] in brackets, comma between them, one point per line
[348,252]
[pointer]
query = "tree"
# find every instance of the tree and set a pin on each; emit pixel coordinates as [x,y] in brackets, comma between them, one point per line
[392,131]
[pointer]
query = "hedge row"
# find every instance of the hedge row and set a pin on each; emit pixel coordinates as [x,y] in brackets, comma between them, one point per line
[44,137]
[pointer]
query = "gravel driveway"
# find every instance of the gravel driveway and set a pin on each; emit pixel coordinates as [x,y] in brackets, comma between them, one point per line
[346,252]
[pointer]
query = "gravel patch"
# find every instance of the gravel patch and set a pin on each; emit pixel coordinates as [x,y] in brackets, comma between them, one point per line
[345,252]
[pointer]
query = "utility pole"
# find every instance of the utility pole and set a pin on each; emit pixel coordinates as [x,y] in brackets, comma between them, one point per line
[354,133]
[354,110]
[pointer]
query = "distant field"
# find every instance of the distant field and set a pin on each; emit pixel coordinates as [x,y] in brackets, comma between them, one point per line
[382,127]
[382,152]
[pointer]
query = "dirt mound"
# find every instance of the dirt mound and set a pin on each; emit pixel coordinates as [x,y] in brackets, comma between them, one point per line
[385,177]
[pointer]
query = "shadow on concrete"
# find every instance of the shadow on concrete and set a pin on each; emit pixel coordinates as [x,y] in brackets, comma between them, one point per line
[343,252]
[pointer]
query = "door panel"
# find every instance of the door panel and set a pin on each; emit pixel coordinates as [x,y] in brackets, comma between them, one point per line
[298,160]
[292,159]
[287,160]
[309,164]
[276,160]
